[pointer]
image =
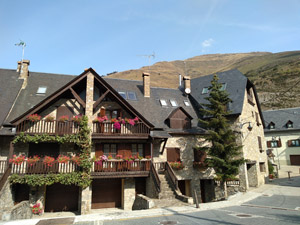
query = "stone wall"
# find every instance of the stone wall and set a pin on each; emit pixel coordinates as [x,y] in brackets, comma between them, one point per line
[150,188]
[6,200]
[85,200]
[142,202]
[21,211]
[4,147]
[128,193]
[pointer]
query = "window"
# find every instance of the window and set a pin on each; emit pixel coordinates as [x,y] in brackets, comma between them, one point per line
[123,94]
[223,88]
[257,118]
[259,143]
[186,103]
[274,143]
[289,124]
[41,90]
[272,125]
[205,90]
[110,149]
[294,143]
[173,103]
[137,148]
[199,156]
[131,95]
[262,167]
[163,102]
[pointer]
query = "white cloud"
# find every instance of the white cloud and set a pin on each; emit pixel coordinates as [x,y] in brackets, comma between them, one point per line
[207,43]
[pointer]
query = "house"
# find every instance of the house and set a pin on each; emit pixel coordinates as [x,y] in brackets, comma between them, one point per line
[142,139]
[282,134]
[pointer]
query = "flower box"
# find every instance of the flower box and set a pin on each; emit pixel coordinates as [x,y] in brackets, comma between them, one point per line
[49,161]
[17,160]
[176,165]
[49,119]
[63,159]
[32,160]
[34,117]
[63,119]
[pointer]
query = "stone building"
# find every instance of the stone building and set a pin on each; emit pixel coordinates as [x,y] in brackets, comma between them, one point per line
[282,134]
[142,138]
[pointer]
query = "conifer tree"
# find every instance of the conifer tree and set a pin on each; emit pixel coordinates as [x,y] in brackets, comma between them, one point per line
[224,154]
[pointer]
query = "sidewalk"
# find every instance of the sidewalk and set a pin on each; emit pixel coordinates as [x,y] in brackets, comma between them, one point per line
[278,186]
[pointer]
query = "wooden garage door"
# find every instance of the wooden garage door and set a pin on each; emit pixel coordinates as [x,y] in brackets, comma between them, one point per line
[61,197]
[295,159]
[106,193]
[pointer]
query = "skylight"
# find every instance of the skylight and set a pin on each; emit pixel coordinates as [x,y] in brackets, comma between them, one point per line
[131,95]
[173,103]
[205,90]
[186,103]
[123,94]
[223,88]
[41,90]
[163,102]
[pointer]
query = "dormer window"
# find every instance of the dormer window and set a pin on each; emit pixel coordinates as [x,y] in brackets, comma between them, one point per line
[179,119]
[163,102]
[223,88]
[205,90]
[173,103]
[271,125]
[41,90]
[289,124]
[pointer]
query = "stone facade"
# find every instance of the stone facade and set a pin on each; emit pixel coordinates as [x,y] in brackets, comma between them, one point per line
[6,199]
[128,193]
[85,200]
[21,211]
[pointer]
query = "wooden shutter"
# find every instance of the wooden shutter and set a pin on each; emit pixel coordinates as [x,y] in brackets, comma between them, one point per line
[259,142]
[147,149]
[98,150]
[173,154]
[257,118]
[279,143]
[64,111]
[290,143]
[269,144]
[199,156]
[124,150]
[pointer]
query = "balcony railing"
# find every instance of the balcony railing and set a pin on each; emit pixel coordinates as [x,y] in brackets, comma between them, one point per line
[52,127]
[121,168]
[107,128]
[3,165]
[41,168]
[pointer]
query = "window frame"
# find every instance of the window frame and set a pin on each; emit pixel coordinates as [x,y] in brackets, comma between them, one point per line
[205,90]
[41,92]
[186,103]
[174,101]
[161,102]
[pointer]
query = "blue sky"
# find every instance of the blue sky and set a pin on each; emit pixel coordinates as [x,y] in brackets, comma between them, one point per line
[68,36]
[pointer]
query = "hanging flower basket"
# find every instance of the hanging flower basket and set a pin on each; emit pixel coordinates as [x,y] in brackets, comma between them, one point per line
[17,160]
[49,161]
[34,118]
[32,160]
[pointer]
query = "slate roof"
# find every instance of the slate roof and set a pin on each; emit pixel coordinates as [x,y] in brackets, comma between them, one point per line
[28,98]
[235,85]
[9,89]
[281,117]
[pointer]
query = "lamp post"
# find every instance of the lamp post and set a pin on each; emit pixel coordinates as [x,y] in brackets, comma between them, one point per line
[274,139]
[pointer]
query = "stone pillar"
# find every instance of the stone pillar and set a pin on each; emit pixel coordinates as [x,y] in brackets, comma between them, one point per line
[89,98]
[195,185]
[85,200]
[129,193]
[243,176]
[146,83]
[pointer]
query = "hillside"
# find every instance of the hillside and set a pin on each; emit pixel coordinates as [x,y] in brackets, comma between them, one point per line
[276,75]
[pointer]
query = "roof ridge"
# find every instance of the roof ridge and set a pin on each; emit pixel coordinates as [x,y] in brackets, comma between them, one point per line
[104,77]
[282,109]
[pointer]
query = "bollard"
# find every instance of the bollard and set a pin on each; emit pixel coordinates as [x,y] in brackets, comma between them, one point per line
[289,174]
[196,199]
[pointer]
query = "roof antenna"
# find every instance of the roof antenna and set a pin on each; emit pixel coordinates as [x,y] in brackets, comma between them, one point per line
[184,67]
[23,44]
[149,58]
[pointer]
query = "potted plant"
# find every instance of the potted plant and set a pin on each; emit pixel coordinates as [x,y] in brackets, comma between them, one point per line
[63,159]
[32,160]
[176,165]
[37,209]
[49,119]
[63,119]
[17,160]
[34,117]
[49,161]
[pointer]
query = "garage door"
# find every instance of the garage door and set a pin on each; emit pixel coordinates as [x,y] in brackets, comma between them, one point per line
[295,159]
[106,193]
[61,197]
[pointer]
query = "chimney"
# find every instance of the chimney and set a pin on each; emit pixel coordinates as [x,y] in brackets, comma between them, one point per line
[146,82]
[23,70]
[187,84]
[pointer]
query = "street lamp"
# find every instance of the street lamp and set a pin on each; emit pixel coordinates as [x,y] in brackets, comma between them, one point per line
[249,125]
[276,146]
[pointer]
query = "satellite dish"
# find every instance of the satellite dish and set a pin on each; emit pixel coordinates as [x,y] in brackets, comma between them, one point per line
[187,91]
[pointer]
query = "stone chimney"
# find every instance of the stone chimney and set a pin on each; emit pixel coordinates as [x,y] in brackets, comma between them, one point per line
[23,70]
[146,82]
[187,84]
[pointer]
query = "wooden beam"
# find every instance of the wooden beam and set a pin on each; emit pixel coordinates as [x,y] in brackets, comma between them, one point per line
[77,97]
[165,142]
[100,99]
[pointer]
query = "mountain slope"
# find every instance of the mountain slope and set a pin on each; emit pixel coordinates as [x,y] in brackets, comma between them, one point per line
[276,75]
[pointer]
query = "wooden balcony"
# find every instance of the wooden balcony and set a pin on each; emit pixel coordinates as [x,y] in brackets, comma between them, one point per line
[107,129]
[3,165]
[41,168]
[119,169]
[52,127]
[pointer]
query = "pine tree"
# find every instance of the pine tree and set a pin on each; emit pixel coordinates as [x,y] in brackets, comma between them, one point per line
[224,154]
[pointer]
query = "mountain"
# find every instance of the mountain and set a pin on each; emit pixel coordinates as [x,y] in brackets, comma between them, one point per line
[276,75]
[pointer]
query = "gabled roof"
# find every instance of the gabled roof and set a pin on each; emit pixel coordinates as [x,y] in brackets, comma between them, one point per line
[281,117]
[182,109]
[67,86]
[9,89]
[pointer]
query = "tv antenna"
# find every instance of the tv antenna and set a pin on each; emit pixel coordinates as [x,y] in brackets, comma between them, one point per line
[23,44]
[149,59]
